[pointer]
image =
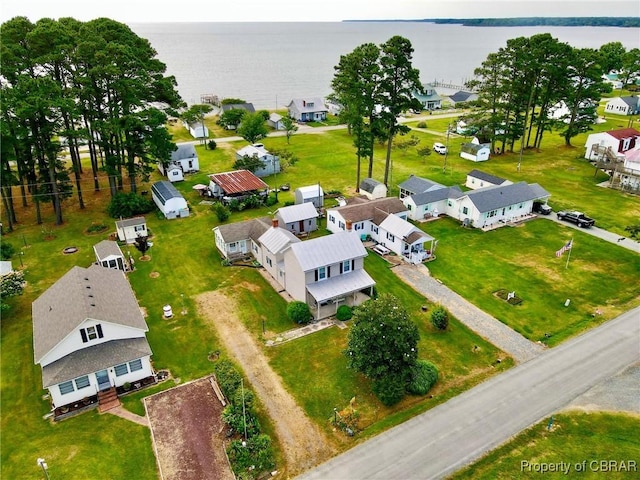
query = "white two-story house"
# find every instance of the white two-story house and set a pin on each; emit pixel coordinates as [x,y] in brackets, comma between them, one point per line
[89,335]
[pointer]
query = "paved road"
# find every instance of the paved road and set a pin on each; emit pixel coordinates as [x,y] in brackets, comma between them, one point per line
[488,327]
[458,432]
[624,242]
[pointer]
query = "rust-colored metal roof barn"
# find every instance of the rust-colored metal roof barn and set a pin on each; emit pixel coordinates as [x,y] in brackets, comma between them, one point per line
[237,181]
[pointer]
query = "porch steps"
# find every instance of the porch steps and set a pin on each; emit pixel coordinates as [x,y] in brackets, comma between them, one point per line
[108,399]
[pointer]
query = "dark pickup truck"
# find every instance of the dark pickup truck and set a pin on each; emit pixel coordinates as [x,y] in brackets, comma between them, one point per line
[578,218]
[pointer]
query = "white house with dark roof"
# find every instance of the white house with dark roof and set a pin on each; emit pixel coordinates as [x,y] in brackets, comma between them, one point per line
[298,219]
[623,105]
[430,204]
[372,189]
[169,200]
[109,255]
[271,163]
[479,179]
[414,185]
[373,218]
[128,229]
[240,239]
[311,109]
[184,159]
[327,272]
[89,335]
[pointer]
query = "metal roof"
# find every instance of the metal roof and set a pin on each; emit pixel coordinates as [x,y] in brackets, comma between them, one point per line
[237,181]
[165,191]
[340,285]
[295,213]
[99,293]
[328,250]
[312,104]
[397,226]
[310,191]
[277,239]
[255,150]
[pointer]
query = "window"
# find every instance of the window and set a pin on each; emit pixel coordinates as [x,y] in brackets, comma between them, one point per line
[341,225]
[390,237]
[139,228]
[233,247]
[322,273]
[374,229]
[66,387]
[135,365]
[465,210]
[410,207]
[269,262]
[82,382]
[450,203]
[91,333]
[112,264]
[332,219]
[357,226]
[346,266]
[121,370]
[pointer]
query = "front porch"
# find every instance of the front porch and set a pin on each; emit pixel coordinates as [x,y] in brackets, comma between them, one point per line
[330,307]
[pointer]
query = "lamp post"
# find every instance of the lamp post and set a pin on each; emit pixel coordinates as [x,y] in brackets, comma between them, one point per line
[20,257]
[44,466]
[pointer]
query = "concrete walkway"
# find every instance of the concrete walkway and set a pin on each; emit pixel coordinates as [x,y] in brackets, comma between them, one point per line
[306,330]
[494,331]
[127,415]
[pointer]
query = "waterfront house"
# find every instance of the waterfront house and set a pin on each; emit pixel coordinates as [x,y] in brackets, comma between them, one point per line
[311,109]
[429,98]
[611,146]
[129,229]
[169,200]
[89,336]
[184,159]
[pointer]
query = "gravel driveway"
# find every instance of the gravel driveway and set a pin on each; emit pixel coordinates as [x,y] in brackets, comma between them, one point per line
[496,332]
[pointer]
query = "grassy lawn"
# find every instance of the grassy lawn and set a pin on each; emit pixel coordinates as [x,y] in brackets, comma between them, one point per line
[574,437]
[184,263]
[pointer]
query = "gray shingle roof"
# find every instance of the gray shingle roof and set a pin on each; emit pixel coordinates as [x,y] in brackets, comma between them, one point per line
[369,184]
[98,293]
[312,104]
[238,106]
[93,359]
[493,198]
[487,177]
[131,222]
[249,229]
[107,248]
[461,96]
[419,185]
[436,195]
[184,150]
[328,250]
[374,210]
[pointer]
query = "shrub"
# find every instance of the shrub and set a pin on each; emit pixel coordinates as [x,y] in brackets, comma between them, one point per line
[223,213]
[423,376]
[422,125]
[234,416]
[6,250]
[228,377]
[252,460]
[128,205]
[344,313]
[440,317]
[271,200]
[211,145]
[389,389]
[299,312]
[96,228]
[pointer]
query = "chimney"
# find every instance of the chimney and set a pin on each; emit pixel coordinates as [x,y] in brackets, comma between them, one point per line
[274,223]
[348,225]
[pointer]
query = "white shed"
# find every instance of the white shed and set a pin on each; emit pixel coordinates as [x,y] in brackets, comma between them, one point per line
[129,229]
[475,152]
[373,189]
[170,202]
[311,193]
[109,255]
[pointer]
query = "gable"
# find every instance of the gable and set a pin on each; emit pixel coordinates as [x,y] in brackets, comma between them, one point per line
[327,250]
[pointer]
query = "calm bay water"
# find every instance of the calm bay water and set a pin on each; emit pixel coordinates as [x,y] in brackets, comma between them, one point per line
[268,64]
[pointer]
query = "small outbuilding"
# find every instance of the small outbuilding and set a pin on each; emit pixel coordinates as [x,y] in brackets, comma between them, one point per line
[298,219]
[373,189]
[169,200]
[236,185]
[275,121]
[311,193]
[197,130]
[109,255]
[129,229]
[475,152]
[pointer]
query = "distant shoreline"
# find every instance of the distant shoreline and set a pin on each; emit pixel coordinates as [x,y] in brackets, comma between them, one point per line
[623,22]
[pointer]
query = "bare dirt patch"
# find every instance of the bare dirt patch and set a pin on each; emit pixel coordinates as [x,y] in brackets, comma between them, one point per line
[303,444]
[154,274]
[188,432]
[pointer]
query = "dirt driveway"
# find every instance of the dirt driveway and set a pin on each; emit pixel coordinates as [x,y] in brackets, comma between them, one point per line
[304,444]
[188,432]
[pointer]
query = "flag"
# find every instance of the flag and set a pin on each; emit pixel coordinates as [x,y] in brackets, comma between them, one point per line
[565,247]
